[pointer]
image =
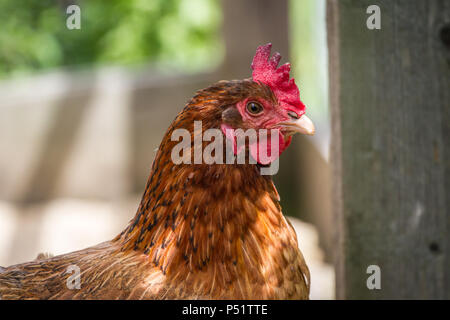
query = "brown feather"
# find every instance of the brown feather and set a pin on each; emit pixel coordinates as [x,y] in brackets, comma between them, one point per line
[201,231]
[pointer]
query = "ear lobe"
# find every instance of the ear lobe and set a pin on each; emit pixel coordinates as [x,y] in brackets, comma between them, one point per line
[264,149]
[264,152]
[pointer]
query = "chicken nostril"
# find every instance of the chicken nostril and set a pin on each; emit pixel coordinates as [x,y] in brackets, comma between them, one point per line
[293,115]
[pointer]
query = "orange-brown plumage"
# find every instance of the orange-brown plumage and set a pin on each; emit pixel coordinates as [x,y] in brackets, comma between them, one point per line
[202,231]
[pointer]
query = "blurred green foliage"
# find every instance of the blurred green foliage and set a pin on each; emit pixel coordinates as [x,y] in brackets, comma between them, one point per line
[171,33]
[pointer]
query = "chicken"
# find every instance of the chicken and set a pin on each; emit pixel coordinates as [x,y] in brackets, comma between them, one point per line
[202,230]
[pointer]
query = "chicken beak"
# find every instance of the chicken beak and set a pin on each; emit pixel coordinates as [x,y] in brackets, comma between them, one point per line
[302,125]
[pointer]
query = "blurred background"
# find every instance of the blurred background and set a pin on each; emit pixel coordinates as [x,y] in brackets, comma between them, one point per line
[82,112]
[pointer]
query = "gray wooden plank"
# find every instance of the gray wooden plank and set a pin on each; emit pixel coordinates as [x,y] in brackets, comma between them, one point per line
[390,105]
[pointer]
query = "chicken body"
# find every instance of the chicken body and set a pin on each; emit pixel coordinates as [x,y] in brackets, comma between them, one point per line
[202,231]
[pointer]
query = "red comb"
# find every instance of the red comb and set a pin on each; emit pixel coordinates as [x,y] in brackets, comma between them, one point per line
[266,71]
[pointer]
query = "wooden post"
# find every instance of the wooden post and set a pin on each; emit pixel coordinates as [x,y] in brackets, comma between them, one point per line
[390,108]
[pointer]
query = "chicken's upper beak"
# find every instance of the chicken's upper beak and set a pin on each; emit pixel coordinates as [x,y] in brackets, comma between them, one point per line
[302,125]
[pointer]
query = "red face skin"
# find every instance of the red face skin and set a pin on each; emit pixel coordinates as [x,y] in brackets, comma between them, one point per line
[267,119]
[266,71]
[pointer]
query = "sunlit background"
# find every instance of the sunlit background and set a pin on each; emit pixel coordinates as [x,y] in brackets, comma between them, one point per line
[82,111]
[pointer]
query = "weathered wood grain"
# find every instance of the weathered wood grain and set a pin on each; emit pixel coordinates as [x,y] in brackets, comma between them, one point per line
[390,105]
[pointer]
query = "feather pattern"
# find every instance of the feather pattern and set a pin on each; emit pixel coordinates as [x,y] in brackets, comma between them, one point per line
[200,232]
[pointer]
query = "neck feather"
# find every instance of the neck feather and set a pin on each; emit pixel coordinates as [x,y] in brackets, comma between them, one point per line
[199,214]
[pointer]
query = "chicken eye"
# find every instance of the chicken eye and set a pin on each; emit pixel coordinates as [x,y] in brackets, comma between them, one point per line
[254,108]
